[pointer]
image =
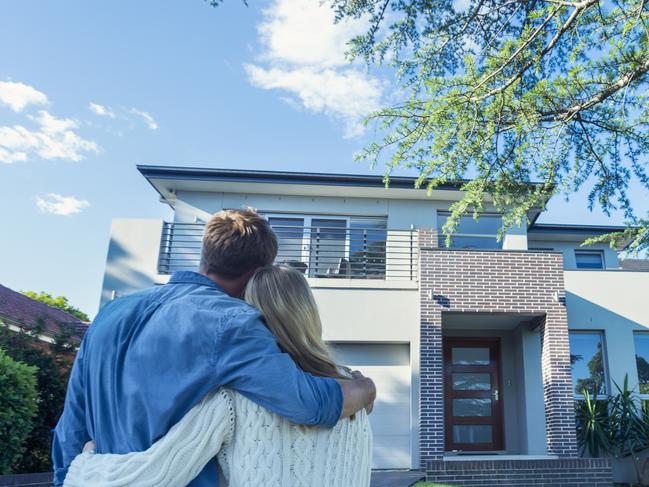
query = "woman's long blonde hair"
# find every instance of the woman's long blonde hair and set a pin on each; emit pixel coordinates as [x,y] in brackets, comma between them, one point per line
[285,299]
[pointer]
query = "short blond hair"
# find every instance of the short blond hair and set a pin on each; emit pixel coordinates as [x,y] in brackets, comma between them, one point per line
[236,242]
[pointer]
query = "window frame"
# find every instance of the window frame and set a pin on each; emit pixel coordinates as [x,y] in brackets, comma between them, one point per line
[644,398]
[590,252]
[602,334]
[475,235]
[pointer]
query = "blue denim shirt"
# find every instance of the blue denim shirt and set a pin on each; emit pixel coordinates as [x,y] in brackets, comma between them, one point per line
[148,358]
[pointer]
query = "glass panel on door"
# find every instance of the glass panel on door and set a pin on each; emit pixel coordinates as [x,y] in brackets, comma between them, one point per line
[328,248]
[367,247]
[290,237]
[470,356]
[471,382]
[475,406]
[472,433]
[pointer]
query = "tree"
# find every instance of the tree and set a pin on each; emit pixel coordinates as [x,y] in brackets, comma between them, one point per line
[510,91]
[17,409]
[52,364]
[60,302]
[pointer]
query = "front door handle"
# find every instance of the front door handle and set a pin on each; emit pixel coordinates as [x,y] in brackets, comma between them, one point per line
[495,394]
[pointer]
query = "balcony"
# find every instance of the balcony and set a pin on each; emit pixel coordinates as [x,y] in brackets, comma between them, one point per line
[335,251]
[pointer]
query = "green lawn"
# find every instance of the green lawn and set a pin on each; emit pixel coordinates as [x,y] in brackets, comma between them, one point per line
[428,484]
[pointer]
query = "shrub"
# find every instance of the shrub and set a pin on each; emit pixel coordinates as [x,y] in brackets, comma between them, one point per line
[615,426]
[52,362]
[18,404]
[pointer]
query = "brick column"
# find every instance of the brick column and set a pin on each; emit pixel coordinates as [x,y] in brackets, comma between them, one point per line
[431,379]
[557,383]
[493,281]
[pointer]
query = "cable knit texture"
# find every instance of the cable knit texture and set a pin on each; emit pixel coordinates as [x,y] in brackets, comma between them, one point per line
[254,447]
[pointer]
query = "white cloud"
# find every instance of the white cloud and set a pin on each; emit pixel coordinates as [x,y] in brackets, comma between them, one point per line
[101,110]
[17,96]
[61,205]
[303,53]
[303,32]
[148,119]
[54,138]
[123,113]
[347,94]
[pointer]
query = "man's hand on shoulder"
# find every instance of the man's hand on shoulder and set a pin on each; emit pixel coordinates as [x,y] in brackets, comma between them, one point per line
[357,374]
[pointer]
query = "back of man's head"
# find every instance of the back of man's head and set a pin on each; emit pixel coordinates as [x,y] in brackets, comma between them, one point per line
[237,242]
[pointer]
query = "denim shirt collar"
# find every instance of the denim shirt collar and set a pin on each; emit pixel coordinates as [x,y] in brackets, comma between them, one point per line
[191,277]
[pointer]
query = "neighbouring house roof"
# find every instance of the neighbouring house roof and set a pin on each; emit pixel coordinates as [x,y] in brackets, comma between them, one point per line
[22,311]
[588,229]
[635,264]
[566,231]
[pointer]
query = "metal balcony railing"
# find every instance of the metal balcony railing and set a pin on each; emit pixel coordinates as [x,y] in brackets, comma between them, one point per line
[326,252]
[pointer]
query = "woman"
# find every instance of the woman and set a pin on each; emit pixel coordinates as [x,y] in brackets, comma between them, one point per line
[253,446]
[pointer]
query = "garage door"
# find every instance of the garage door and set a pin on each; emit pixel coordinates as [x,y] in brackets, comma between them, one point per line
[389,366]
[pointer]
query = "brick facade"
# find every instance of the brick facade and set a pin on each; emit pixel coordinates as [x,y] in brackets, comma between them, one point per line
[500,281]
[574,472]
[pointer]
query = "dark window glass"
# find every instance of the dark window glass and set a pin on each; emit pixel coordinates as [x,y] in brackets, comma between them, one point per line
[472,234]
[587,360]
[589,260]
[642,360]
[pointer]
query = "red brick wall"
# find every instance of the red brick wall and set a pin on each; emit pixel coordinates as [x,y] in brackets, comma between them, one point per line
[496,281]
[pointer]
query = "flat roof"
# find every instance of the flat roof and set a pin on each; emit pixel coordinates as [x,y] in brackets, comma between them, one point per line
[283,177]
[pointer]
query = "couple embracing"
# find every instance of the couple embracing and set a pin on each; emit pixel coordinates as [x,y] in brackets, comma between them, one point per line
[217,378]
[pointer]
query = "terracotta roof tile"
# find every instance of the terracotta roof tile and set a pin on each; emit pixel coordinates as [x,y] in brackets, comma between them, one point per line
[23,310]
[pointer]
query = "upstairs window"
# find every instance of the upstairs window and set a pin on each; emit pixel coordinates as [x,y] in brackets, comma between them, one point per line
[587,359]
[589,259]
[332,246]
[472,234]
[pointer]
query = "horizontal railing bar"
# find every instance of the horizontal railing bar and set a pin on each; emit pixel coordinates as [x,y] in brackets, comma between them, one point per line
[329,252]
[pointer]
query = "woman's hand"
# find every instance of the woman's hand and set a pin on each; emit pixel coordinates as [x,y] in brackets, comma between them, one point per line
[89,447]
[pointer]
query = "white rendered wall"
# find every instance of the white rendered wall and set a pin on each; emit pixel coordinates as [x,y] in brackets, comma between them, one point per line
[616,303]
[402,214]
[387,314]
[516,238]
[132,260]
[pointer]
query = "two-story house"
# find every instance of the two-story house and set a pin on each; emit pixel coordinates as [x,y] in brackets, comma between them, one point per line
[479,349]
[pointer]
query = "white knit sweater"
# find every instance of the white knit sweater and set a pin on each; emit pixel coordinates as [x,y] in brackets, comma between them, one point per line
[254,447]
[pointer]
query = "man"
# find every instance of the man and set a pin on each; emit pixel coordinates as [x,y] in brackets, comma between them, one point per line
[148,358]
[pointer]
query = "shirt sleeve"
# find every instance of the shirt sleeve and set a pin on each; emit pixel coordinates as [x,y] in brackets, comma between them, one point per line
[249,361]
[70,433]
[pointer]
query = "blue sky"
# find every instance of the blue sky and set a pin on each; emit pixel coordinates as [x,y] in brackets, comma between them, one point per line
[89,89]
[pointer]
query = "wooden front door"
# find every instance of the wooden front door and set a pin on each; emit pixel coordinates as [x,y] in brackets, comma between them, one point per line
[472,396]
